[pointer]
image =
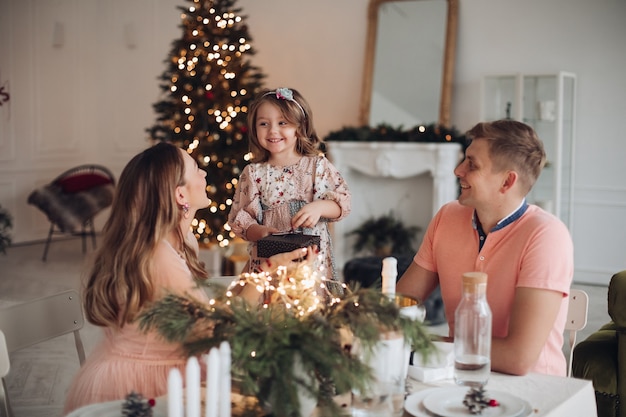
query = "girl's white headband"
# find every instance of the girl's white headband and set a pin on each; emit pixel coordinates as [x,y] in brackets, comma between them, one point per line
[285,94]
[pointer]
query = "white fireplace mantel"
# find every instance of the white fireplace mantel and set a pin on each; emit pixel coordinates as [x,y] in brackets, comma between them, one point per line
[411,179]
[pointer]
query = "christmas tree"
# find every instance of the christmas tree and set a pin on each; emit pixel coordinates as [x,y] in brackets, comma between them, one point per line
[207,87]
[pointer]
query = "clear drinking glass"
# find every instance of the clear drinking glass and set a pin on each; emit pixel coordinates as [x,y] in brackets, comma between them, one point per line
[390,362]
[384,397]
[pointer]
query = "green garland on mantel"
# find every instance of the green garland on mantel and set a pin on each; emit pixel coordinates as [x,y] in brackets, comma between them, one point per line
[432,133]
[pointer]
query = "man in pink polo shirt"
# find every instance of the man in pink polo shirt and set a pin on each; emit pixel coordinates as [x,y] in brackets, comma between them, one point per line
[526,252]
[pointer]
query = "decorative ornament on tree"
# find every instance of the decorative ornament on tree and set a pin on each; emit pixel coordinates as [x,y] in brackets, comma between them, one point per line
[207,87]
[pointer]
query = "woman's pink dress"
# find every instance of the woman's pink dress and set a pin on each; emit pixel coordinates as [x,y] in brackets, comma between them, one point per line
[130,359]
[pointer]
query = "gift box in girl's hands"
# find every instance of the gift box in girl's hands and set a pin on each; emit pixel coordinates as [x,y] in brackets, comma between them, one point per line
[284,242]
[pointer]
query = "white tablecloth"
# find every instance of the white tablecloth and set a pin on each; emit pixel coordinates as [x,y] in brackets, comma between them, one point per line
[549,396]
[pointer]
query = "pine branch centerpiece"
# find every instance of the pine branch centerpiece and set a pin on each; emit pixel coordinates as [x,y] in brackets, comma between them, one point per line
[298,339]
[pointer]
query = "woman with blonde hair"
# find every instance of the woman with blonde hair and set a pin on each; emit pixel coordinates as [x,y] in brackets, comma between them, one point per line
[147,252]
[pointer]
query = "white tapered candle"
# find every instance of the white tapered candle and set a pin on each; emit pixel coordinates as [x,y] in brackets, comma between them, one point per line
[224,392]
[212,386]
[192,378]
[174,393]
[389,274]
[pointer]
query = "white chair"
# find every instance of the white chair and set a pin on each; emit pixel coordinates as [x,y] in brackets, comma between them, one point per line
[576,320]
[35,321]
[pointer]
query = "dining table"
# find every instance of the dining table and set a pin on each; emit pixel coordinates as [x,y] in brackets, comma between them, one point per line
[541,395]
[544,396]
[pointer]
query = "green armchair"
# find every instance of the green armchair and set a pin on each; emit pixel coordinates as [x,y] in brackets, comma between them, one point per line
[601,357]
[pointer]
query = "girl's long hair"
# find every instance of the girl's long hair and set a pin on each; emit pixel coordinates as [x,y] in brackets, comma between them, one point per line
[297,112]
[143,213]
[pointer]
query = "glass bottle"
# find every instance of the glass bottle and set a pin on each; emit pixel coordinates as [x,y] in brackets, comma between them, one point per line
[472,333]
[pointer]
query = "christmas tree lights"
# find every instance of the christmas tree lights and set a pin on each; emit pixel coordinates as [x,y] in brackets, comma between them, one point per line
[207,87]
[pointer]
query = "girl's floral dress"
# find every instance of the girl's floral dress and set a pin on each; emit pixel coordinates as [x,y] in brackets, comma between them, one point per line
[270,195]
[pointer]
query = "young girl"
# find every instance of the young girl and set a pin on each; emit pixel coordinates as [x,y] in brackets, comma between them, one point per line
[292,186]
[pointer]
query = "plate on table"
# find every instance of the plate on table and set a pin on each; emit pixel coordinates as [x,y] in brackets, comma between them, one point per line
[114,409]
[413,403]
[448,402]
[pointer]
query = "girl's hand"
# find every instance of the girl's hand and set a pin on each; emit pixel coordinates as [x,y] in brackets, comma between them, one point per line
[309,215]
[257,231]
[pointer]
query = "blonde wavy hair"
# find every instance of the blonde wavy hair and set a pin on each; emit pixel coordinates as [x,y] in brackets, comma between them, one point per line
[143,213]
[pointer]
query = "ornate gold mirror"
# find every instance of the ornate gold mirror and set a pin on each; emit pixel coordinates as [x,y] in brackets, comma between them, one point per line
[409,62]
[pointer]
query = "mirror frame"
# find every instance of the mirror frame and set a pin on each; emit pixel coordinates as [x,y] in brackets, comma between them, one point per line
[449,54]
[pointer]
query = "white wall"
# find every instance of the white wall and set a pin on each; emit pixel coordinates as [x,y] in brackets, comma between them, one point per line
[317,47]
[585,37]
[82,78]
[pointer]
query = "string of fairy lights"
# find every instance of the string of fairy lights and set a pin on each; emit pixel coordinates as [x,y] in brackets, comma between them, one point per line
[221,55]
[301,289]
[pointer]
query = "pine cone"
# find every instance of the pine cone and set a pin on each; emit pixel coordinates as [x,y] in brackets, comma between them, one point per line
[137,406]
[476,400]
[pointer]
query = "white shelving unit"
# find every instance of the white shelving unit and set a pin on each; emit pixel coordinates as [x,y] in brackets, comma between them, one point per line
[546,102]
